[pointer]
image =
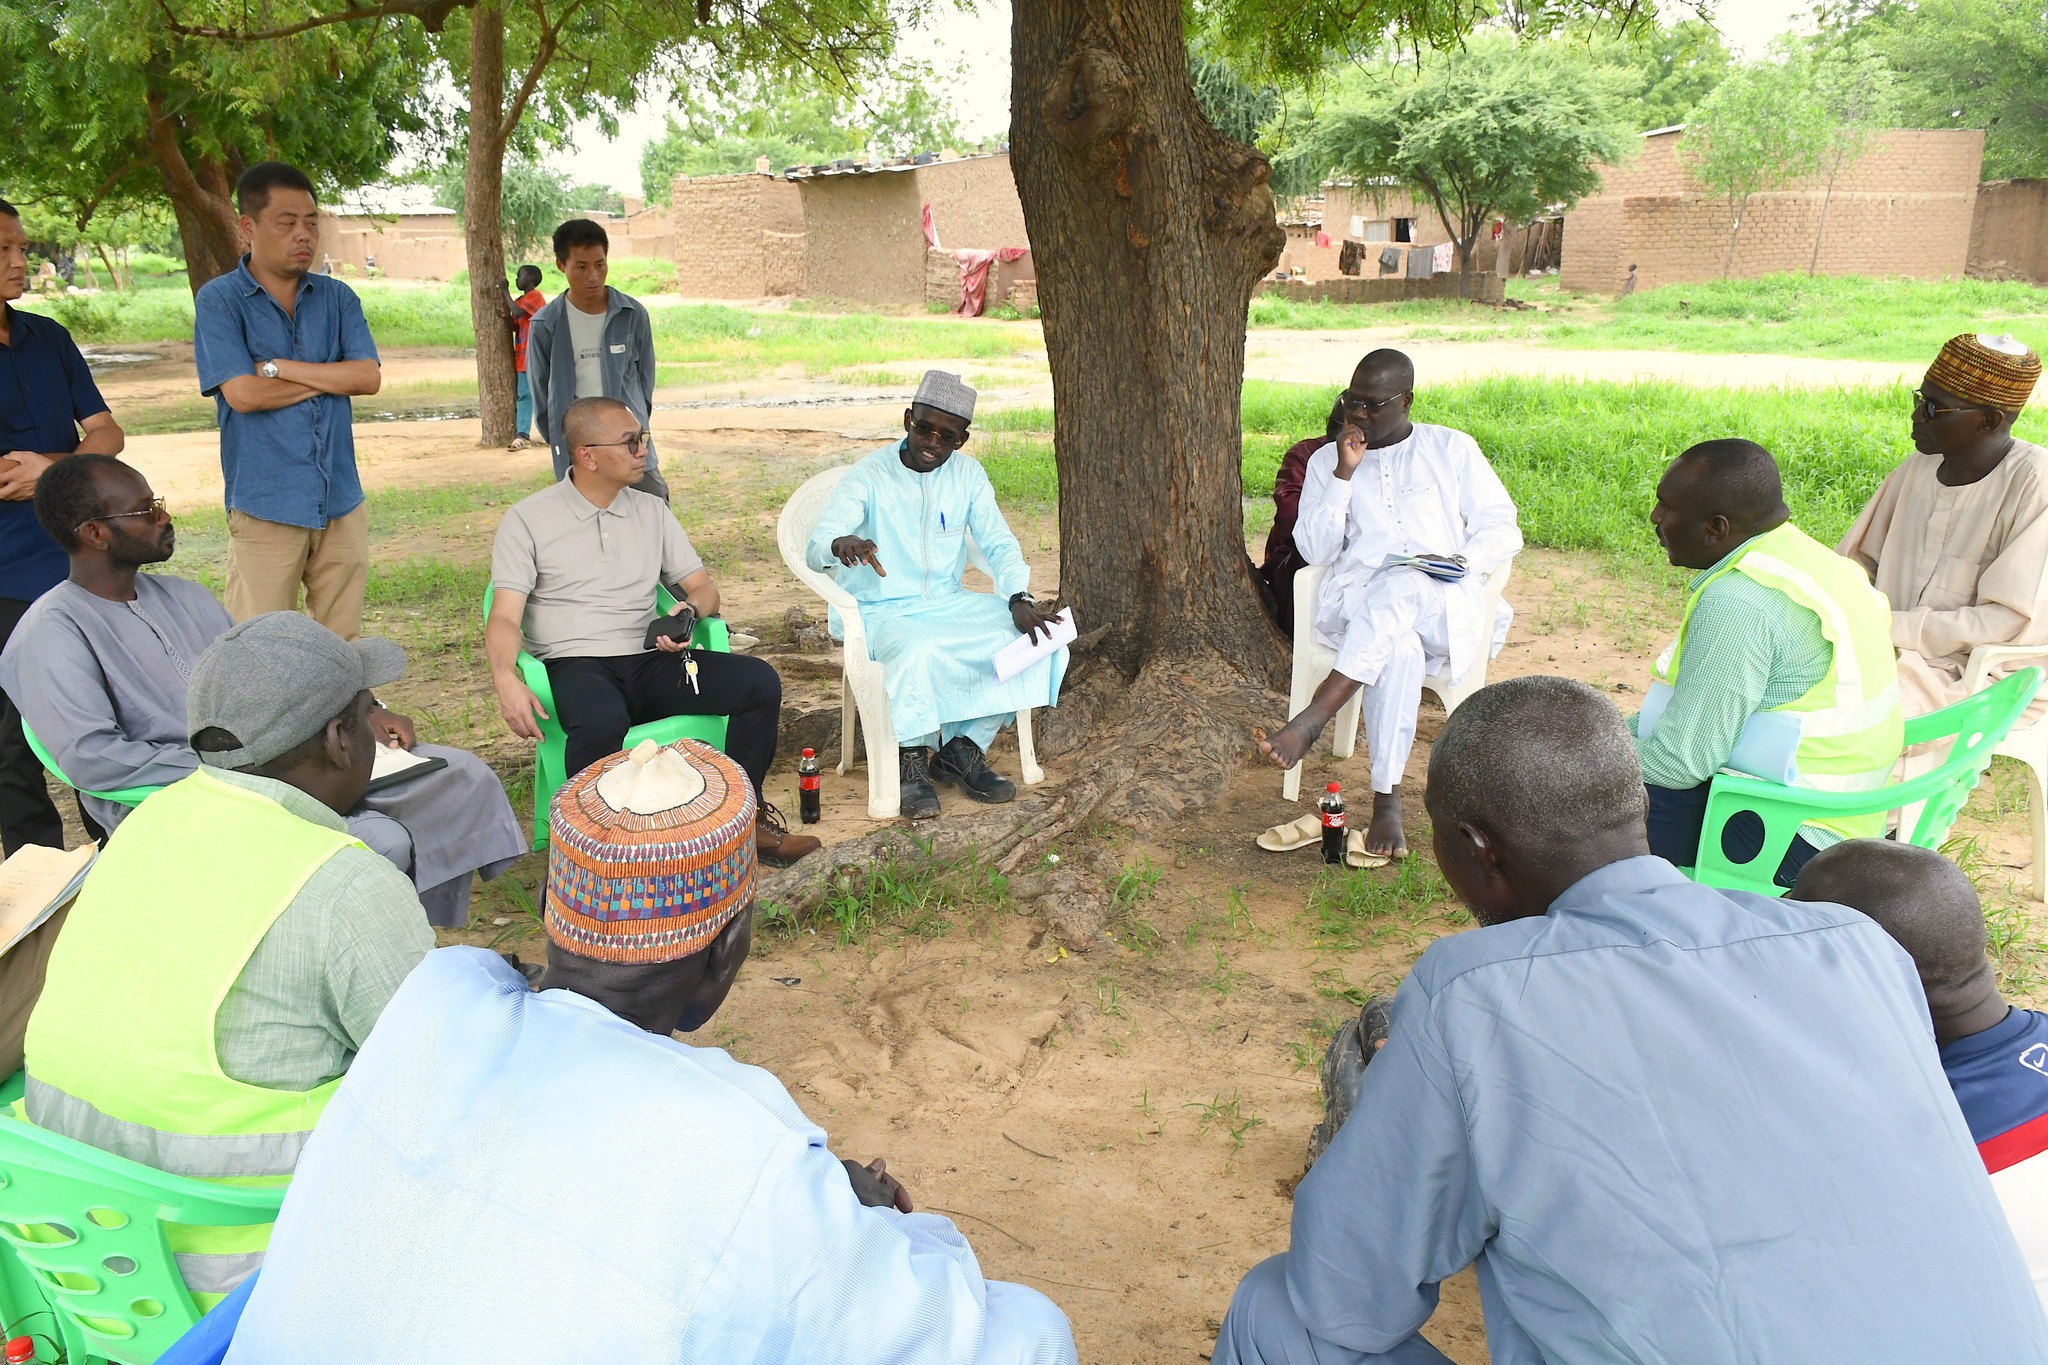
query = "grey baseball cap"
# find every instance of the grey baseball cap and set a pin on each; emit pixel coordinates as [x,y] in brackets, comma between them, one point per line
[947,393]
[274,681]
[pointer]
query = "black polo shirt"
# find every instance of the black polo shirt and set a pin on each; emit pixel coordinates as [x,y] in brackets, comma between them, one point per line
[45,392]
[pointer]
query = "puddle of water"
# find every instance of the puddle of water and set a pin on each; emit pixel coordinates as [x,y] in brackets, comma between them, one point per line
[453,412]
[100,360]
[831,401]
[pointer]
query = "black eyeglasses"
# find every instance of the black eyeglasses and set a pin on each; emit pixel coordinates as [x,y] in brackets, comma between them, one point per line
[1924,406]
[631,443]
[155,509]
[1358,402]
[951,440]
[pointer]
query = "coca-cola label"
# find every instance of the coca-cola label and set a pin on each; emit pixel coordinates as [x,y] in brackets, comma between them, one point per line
[1333,819]
[807,782]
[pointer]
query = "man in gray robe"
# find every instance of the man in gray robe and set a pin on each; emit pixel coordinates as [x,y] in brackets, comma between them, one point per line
[100,664]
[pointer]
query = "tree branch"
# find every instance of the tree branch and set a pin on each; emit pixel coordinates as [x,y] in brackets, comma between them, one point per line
[432,14]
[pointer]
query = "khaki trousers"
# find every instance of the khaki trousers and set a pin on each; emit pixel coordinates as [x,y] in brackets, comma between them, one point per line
[268,560]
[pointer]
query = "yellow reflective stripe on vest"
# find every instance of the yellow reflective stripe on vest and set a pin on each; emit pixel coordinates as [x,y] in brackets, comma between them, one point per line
[1848,669]
[120,1049]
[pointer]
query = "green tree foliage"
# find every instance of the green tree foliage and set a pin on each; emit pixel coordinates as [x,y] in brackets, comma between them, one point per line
[1679,64]
[531,204]
[796,122]
[114,116]
[1495,129]
[1762,128]
[1963,64]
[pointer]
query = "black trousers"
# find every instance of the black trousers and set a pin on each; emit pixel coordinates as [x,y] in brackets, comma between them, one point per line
[598,700]
[27,815]
[1679,815]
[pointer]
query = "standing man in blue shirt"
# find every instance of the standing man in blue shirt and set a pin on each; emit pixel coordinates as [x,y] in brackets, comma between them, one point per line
[281,350]
[1667,1122]
[46,397]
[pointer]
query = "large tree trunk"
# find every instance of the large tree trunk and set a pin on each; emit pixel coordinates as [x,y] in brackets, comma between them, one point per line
[202,195]
[483,182]
[1734,237]
[1150,230]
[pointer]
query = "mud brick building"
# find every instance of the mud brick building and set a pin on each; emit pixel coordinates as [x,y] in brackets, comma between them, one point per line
[2009,236]
[1904,208]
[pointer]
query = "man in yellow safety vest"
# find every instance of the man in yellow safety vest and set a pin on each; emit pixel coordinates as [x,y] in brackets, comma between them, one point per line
[233,945]
[1782,667]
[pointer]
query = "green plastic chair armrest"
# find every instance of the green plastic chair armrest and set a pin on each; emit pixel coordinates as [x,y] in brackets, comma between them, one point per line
[1977,723]
[126,796]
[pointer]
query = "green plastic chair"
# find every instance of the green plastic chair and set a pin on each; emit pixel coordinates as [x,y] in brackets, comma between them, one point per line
[1976,723]
[84,1231]
[551,755]
[127,796]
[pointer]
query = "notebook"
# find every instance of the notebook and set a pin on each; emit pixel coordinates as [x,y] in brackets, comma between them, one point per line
[35,882]
[399,765]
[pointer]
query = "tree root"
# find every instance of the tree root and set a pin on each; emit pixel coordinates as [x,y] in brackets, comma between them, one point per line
[1157,749]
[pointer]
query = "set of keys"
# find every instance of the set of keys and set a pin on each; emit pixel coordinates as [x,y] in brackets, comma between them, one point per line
[690,671]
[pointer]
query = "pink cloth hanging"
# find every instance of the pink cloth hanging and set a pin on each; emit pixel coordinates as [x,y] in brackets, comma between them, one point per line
[931,229]
[974,266]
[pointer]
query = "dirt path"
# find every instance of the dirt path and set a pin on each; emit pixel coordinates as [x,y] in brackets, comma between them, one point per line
[185,466]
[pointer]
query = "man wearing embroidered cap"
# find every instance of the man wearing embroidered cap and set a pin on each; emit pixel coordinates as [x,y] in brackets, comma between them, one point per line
[502,1169]
[233,945]
[1957,536]
[895,535]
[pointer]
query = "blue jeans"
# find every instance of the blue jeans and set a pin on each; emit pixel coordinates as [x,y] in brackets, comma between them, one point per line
[522,417]
[1676,819]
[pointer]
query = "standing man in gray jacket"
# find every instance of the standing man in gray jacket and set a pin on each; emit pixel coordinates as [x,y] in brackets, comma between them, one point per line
[590,341]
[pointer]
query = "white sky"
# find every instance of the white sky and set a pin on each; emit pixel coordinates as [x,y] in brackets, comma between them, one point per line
[970,49]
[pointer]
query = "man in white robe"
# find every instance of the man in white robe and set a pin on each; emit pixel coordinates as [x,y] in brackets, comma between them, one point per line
[895,534]
[1389,486]
[1957,536]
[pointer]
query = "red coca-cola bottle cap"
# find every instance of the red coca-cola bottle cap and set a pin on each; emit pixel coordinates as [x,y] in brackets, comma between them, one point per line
[1333,786]
[810,753]
[20,1350]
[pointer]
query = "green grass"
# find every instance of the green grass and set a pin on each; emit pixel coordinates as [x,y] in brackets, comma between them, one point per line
[715,342]
[1845,317]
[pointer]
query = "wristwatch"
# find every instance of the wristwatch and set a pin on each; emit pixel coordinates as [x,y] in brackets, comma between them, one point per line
[268,369]
[1017,597]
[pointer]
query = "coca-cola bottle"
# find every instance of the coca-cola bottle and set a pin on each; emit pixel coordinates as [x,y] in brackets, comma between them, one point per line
[807,787]
[1332,810]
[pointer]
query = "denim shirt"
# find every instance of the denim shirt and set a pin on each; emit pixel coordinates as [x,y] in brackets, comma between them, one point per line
[296,464]
[45,392]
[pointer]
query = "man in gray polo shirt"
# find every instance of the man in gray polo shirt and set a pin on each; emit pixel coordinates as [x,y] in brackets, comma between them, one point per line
[573,574]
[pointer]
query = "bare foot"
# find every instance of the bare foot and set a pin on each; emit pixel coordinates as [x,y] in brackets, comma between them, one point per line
[1384,837]
[1287,745]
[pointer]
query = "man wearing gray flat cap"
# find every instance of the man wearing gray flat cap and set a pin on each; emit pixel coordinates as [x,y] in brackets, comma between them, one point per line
[233,945]
[896,535]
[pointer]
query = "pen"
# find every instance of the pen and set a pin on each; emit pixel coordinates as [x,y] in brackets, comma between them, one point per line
[942,521]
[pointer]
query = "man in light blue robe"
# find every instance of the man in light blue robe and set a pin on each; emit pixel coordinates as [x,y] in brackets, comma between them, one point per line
[1667,1122]
[895,535]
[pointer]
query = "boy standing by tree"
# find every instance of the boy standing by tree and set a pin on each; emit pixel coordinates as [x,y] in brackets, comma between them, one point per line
[529,302]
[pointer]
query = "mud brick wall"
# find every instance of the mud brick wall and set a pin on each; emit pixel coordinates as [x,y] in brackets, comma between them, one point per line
[2009,234]
[1486,288]
[1904,208]
[733,236]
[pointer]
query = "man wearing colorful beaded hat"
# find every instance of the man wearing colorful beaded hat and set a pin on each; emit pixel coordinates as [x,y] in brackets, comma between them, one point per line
[640,1199]
[894,534]
[1957,536]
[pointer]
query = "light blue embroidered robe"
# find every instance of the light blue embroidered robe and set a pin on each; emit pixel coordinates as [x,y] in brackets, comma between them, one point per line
[935,638]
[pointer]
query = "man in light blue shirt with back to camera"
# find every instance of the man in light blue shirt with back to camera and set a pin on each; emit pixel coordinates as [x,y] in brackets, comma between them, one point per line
[1668,1123]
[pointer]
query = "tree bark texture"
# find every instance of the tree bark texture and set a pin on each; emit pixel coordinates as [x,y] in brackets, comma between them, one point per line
[483,180]
[1149,230]
[202,194]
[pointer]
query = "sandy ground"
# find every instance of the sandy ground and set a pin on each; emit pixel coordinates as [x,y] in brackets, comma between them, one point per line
[1118,1124]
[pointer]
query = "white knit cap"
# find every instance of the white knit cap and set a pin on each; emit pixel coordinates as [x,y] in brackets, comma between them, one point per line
[947,393]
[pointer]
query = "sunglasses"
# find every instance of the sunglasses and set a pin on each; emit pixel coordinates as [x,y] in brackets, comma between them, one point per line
[949,439]
[1924,406]
[631,443]
[155,510]
[1358,402]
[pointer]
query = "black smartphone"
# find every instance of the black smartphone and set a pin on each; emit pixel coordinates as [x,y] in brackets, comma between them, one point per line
[680,627]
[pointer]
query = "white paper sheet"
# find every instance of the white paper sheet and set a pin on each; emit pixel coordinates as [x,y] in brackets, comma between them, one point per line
[34,883]
[390,760]
[1018,655]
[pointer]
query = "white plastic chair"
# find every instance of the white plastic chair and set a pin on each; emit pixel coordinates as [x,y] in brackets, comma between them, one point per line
[864,693]
[1313,662]
[2028,744]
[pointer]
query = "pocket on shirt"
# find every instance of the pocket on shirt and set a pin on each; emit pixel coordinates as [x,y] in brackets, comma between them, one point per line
[1954,585]
[1420,510]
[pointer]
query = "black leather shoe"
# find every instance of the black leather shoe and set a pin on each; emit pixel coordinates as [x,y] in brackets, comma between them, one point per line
[961,764]
[1343,1071]
[914,779]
